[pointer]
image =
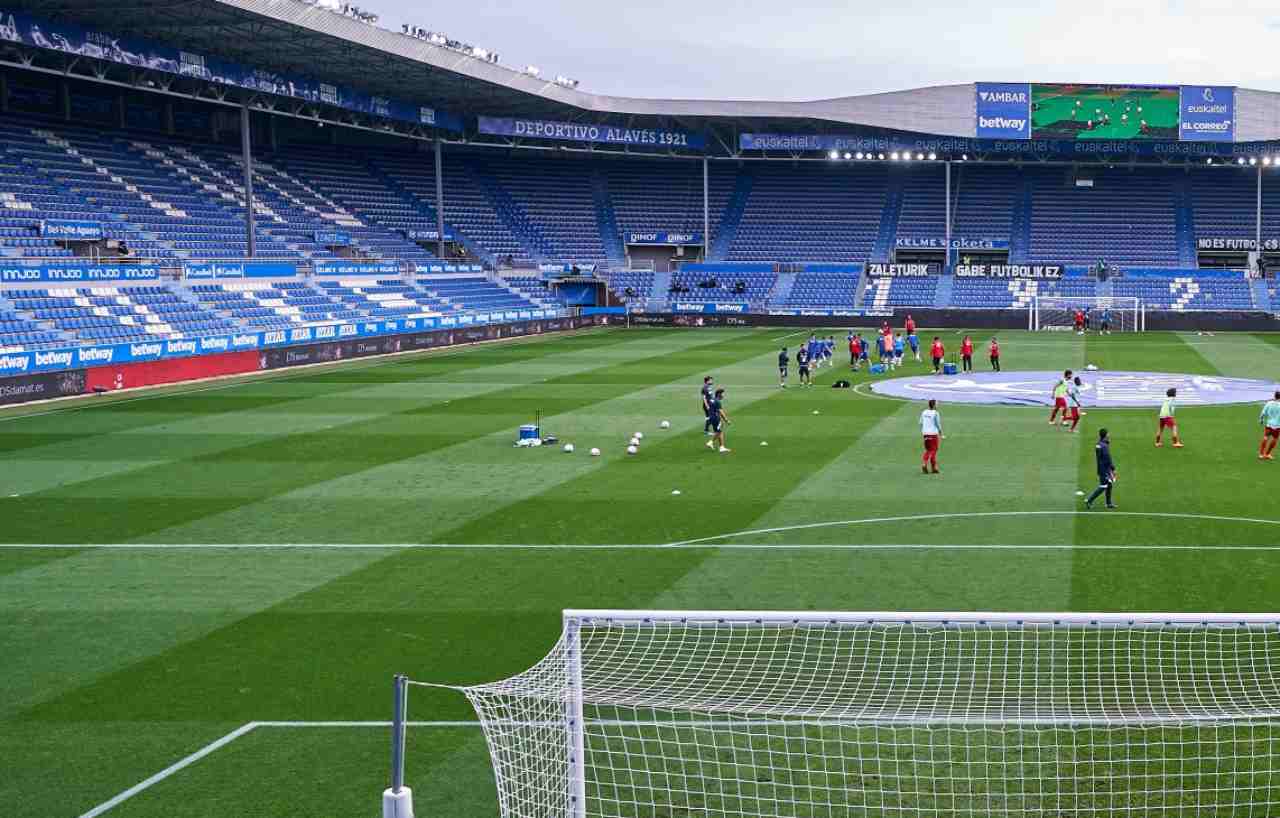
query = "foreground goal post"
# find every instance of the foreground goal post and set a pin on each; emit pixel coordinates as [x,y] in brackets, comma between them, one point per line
[1052,312]
[715,713]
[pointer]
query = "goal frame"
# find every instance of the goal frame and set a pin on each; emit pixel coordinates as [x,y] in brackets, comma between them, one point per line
[397,801]
[1125,304]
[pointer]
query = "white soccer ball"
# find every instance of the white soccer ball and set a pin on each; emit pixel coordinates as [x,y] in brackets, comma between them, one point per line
[632,450]
[537,441]
[764,443]
[595,452]
[675,492]
[1091,368]
[639,435]
[815,411]
[666,424]
[635,441]
[568,448]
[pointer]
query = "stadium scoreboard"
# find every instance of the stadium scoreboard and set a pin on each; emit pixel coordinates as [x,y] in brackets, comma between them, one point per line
[1080,111]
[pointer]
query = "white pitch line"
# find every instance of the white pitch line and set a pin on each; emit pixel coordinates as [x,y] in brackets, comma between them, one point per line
[170,770]
[980,514]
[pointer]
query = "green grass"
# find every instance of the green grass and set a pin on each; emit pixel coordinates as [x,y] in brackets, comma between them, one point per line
[118,662]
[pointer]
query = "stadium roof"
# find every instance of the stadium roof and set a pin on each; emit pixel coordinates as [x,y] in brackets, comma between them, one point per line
[291,36]
[301,38]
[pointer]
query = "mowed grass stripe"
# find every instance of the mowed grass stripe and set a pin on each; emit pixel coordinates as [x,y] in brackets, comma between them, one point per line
[1185,480]
[719,493]
[313,407]
[66,623]
[477,475]
[446,615]
[1237,355]
[159,497]
[31,427]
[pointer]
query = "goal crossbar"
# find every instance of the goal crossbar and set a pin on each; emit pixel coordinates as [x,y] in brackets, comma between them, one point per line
[993,618]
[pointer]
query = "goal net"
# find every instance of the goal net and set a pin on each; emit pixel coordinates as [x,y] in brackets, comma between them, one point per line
[1118,314]
[826,715]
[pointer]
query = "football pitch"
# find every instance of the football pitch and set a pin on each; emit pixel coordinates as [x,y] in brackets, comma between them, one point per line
[238,568]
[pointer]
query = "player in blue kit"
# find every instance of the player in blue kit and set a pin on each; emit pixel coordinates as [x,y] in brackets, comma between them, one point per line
[802,364]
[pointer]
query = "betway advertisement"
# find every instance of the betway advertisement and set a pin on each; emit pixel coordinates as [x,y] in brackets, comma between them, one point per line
[1003,110]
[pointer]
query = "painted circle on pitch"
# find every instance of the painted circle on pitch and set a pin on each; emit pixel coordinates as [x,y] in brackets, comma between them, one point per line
[1103,389]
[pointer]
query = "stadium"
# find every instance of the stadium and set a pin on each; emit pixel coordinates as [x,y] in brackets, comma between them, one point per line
[353,463]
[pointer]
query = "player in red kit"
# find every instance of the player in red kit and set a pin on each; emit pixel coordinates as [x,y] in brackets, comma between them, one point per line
[910,326]
[966,353]
[1060,398]
[995,354]
[855,350]
[1079,321]
[936,352]
[931,429]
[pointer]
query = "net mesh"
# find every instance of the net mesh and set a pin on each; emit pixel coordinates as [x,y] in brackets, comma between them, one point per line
[832,718]
[1056,312]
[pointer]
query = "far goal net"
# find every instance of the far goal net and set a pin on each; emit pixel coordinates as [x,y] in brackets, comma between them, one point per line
[1112,314]
[647,714]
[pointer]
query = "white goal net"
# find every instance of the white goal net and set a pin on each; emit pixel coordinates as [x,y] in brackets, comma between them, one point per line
[827,715]
[1109,314]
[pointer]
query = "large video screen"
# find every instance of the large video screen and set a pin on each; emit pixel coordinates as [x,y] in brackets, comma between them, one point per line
[1065,111]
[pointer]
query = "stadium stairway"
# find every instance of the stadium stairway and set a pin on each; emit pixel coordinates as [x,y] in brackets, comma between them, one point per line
[1185,222]
[659,293]
[1020,233]
[428,210]
[509,213]
[782,287]
[732,217]
[1261,295]
[607,220]
[1104,289]
[887,237]
[942,295]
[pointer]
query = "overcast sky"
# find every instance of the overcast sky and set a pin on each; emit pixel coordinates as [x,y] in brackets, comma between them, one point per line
[808,49]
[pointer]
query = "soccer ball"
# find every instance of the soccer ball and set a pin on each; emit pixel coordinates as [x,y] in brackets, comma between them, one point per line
[666,424]
[537,441]
[635,441]
[639,435]
[632,450]
[595,452]
[568,448]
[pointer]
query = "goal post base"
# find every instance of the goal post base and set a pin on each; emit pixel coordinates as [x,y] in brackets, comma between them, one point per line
[397,804]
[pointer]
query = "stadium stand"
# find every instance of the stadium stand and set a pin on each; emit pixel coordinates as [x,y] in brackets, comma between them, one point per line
[1018,293]
[912,291]
[822,288]
[1126,217]
[1178,291]
[807,213]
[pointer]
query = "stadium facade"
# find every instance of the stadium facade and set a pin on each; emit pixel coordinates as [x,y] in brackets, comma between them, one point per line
[239,177]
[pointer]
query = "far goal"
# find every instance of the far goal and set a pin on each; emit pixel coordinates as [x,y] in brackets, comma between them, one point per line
[655,714]
[1121,314]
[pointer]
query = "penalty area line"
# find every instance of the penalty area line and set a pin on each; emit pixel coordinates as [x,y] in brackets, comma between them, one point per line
[170,770]
[243,730]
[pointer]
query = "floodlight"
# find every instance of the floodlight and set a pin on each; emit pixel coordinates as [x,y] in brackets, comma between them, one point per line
[893,156]
[833,155]
[848,155]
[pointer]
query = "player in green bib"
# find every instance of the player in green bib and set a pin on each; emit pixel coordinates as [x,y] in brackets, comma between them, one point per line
[1060,398]
[1270,428]
[1167,420]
